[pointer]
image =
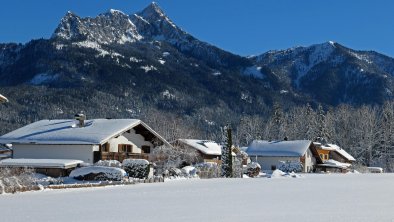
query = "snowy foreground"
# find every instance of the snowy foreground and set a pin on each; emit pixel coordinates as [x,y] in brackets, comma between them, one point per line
[350,197]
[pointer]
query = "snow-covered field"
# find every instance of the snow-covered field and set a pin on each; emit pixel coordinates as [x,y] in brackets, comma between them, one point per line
[339,197]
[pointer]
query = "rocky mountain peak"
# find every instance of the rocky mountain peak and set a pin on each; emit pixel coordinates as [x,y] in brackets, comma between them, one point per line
[152,11]
[113,26]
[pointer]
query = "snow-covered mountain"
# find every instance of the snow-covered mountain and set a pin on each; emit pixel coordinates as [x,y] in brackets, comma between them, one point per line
[111,27]
[332,73]
[117,64]
[151,24]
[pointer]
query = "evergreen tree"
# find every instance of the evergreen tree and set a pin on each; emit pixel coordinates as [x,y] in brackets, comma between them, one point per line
[227,158]
[310,122]
[323,134]
[278,128]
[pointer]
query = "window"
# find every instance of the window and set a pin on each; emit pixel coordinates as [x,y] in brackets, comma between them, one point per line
[125,148]
[145,149]
[273,167]
[105,148]
[321,156]
[326,156]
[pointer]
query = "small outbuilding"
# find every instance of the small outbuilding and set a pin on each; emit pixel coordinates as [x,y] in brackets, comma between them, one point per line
[271,154]
[50,167]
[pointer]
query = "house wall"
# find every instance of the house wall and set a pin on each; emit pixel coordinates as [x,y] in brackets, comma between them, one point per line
[324,154]
[137,140]
[267,162]
[114,142]
[310,161]
[335,156]
[37,151]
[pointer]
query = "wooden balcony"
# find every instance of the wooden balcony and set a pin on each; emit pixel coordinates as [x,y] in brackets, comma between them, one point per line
[122,156]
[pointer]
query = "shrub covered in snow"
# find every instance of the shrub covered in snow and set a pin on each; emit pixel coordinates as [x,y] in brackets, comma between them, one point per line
[98,173]
[208,170]
[16,179]
[290,166]
[167,157]
[109,163]
[189,171]
[137,168]
[253,169]
[280,174]
[45,180]
[174,172]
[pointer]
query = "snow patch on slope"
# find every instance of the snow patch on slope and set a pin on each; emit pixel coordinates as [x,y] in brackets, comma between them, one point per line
[42,78]
[148,68]
[254,71]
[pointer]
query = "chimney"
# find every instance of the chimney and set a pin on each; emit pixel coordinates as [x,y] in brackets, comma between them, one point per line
[81,117]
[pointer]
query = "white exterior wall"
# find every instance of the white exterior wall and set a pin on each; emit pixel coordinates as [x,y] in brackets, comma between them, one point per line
[37,151]
[137,140]
[114,142]
[310,161]
[267,161]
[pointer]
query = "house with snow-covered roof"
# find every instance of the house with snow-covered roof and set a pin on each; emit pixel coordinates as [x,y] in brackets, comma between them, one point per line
[86,140]
[271,154]
[207,150]
[334,157]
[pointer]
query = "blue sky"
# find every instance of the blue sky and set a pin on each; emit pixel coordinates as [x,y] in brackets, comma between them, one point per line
[244,27]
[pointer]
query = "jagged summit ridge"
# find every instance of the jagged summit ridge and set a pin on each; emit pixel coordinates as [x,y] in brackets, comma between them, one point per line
[111,27]
[116,26]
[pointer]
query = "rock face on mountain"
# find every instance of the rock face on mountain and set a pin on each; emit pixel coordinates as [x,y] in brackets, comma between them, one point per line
[119,65]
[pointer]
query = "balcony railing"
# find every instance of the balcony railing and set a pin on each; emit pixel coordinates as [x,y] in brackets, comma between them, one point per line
[122,156]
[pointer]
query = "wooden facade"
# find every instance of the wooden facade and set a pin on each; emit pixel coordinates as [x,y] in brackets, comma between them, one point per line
[324,154]
[125,151]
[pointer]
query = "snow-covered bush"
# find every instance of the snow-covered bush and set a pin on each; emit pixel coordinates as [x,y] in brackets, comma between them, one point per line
[290,166]
[174,172]
[45,180]
[136,168]
[167,157]
[253,169]
[99,173]
[16,179]
[208,170]
[189,171]
[109,163]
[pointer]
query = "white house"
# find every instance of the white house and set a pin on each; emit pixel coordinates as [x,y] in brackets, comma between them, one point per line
[87,140]
[270,154]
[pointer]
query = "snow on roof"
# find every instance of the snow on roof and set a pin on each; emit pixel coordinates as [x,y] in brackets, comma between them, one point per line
[336,148]
[2,156]
[3,99]
[37,163]
[294,148]
[66,131]
[336,164]
[205,146]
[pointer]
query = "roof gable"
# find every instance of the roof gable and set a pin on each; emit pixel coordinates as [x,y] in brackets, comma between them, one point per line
[294,148]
